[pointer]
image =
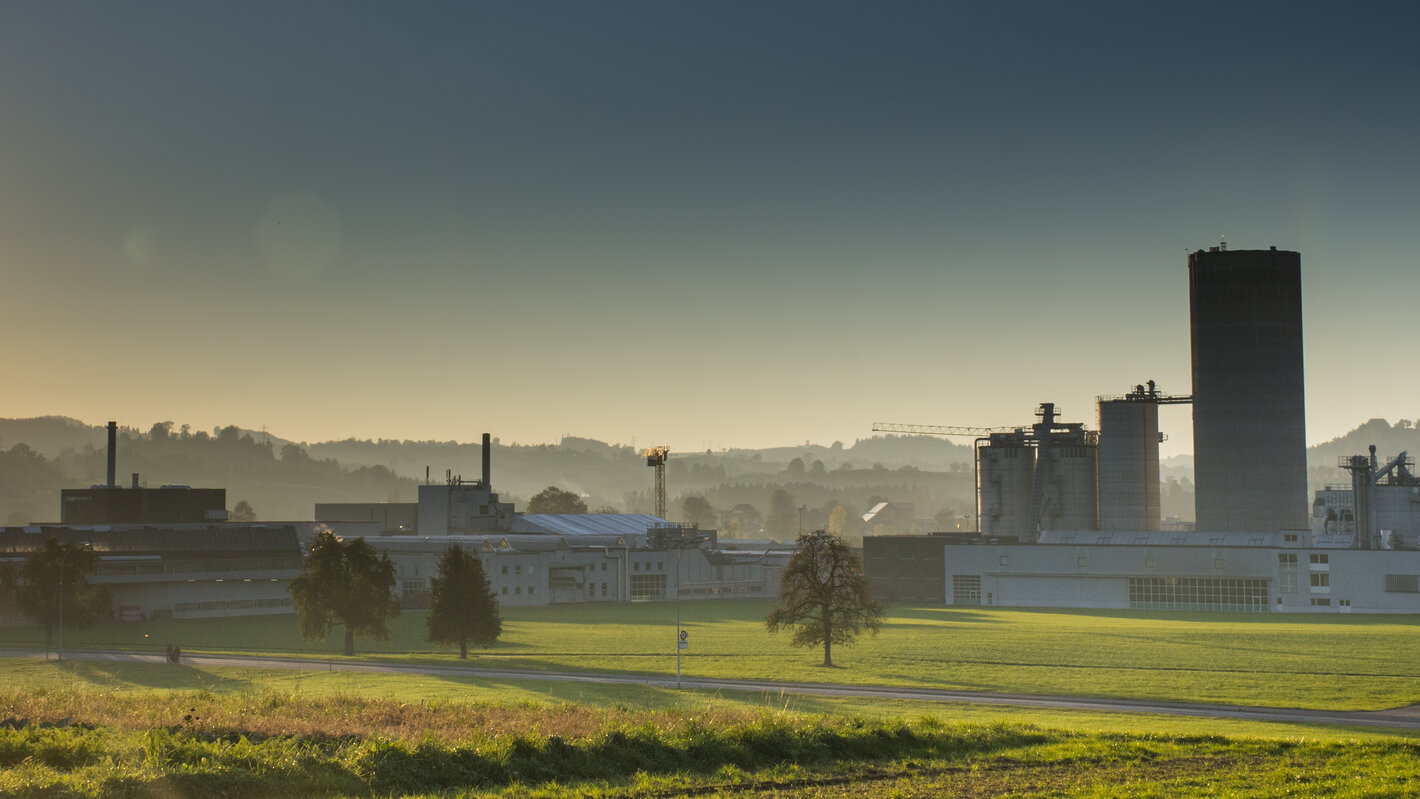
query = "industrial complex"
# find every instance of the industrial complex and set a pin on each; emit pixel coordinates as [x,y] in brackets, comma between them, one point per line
[1069,517]
[170,552]
[1066,516]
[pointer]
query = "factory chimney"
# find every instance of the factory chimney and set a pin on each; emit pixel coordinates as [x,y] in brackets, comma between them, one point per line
[113,454]
[487,461]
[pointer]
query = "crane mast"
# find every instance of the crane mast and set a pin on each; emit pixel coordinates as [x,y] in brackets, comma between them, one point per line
[656,459]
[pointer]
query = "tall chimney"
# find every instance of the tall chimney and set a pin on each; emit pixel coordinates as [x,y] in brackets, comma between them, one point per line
[487,461]
[113,454]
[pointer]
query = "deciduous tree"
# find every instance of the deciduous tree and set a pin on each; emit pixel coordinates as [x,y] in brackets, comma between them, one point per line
[463,609]
[346,583]
[697,511]
[53,585]
[554,500]
[824,596]
[783,518]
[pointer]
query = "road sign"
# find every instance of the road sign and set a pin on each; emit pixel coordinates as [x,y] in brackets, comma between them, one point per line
[684,645]
[684,635]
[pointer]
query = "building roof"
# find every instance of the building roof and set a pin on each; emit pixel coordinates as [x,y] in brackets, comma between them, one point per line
[578,524]
[226,539]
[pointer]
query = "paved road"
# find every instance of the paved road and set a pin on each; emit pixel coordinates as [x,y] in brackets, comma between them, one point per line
[1407,718]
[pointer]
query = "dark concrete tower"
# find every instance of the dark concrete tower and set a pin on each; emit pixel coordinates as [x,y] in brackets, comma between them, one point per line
[1249,410]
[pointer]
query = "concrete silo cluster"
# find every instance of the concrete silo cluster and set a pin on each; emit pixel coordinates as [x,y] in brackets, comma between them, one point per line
[1249,423]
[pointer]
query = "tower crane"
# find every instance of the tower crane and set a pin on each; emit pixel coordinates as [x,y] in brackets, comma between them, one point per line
[656,458]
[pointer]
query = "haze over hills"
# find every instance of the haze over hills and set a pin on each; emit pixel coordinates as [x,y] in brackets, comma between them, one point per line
[282,479]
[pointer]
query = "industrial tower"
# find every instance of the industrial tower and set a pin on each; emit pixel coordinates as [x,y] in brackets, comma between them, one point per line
[1249,409]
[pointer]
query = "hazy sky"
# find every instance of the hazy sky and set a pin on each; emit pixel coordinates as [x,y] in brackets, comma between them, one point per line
[711,224]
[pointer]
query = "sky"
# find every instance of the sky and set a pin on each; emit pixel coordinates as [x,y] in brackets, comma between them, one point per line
[700,225]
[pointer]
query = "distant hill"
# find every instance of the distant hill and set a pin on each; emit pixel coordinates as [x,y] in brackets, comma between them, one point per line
[284,480]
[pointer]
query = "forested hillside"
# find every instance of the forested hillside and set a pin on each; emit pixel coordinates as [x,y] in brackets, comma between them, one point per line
[747,492]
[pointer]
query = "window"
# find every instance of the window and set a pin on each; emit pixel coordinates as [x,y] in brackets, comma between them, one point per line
[1198,593]
[1321,583]
[1345,603]
[505,569]
[532,589]
[636,567]
[1148,563]
[1319,560]
[1083,560]
[966,589]
[1286,572]
[1220,563]
[591,589]
[648,586]
[1290,538]
[518,569]
[603,587]
[1402,584]
[1321,602]
[660,565]
[1005,561]
[505,590]
[603,565]
[517,589]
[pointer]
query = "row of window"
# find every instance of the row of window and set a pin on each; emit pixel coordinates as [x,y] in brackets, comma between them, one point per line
[518,590]
[232,604]
[648,586]
[1198,593]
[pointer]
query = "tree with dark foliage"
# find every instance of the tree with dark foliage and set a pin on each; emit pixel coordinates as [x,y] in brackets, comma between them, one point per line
[52,586]
[554,500]
[463,609]
[824,595]
[347,583]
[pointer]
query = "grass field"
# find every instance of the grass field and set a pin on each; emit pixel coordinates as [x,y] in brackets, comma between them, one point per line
[262,743]
[1333,661]
[158,730]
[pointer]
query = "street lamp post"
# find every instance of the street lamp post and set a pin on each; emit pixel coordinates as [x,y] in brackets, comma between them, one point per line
[60,655]
[680,636]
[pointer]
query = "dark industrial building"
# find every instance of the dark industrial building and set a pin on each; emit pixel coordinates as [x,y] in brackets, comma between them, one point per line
[114,504]
[1249,396]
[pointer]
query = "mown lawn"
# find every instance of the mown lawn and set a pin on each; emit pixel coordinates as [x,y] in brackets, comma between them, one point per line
[1337,662]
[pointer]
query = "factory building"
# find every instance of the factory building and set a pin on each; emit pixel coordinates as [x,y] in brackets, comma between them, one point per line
[1252,550]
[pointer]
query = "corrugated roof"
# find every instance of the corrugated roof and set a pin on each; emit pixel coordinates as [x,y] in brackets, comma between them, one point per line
[210,540]
[575,524]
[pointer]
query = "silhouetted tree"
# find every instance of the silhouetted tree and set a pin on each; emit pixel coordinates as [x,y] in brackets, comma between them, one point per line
[783,519]
[347,583]
[824,596]
[554,500]
[243,512]
[463,609]
[55,577]
[697,511]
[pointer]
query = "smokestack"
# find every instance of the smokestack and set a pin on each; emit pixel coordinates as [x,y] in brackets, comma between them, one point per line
[487,461]
[135,479]
[113,454]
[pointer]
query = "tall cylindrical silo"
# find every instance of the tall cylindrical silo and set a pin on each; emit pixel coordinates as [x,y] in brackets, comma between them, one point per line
[1006,471]
[1249,411]
[1129,463]
[1071,493]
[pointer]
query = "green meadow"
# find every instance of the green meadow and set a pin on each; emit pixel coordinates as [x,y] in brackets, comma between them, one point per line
[1312,661]
[152,729]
